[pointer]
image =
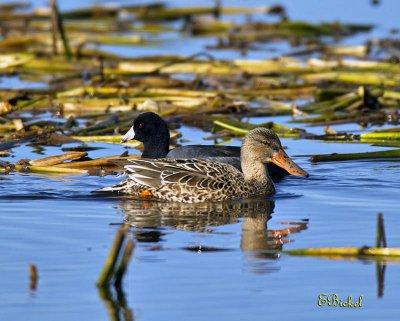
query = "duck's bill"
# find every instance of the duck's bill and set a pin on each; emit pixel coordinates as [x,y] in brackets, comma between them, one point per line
[130,134]
[283,160]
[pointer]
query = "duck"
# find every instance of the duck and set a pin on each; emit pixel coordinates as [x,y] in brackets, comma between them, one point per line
[194,180]
[150,129]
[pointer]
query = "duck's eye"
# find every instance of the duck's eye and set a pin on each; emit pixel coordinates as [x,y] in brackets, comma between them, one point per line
[140,125]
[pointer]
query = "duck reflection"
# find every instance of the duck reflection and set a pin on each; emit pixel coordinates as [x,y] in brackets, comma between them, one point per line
[198,217]
[257,242]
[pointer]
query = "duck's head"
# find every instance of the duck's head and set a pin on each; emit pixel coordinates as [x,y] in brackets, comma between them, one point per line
[147,127]
[263,145]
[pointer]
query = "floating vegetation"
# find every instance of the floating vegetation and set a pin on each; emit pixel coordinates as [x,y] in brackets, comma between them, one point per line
[283,131]
[380,252]
[92,94]
[392,134]
[109,283]
[349,252]
[117,260]
[33,277]
[394,153]
[58,159]
[72,82]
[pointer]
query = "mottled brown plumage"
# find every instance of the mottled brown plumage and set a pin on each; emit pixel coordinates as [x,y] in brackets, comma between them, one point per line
[200,180]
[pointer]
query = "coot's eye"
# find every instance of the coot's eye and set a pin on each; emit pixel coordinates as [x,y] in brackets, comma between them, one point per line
[140,125]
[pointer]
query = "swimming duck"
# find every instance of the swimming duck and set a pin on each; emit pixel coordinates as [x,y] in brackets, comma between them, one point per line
[201,180]
[153,132]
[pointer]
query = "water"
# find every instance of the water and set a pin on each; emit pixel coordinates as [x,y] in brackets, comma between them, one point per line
[206,261]
[59,225]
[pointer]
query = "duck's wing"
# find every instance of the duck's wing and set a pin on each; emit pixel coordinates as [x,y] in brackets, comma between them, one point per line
[234,161]
[184,172]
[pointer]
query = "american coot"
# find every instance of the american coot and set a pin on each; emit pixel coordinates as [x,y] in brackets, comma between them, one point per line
[200,180]
[153,132]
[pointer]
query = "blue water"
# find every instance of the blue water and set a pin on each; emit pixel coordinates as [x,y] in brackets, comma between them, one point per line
[56,223]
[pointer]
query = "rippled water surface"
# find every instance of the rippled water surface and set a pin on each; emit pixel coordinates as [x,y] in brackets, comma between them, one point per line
[206,261]
[200,261]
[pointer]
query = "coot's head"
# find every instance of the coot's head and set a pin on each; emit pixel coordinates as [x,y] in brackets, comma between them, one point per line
[146,127]
[153,132]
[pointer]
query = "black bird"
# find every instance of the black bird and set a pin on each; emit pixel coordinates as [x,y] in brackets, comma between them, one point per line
[153,132]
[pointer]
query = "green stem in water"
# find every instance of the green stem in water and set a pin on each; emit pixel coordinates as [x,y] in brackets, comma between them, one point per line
[393,153]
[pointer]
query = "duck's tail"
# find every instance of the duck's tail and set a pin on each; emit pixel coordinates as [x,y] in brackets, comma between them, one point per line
[115,188]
